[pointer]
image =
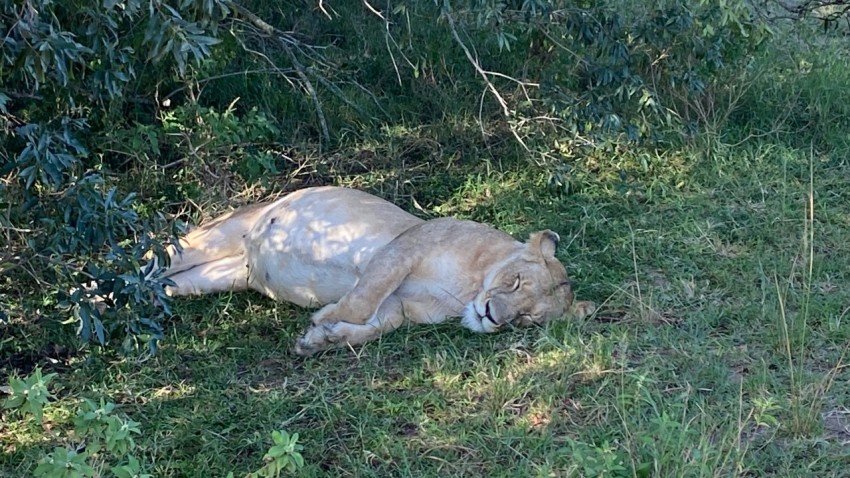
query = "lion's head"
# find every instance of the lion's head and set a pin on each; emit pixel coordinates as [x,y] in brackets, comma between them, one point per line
[530,287]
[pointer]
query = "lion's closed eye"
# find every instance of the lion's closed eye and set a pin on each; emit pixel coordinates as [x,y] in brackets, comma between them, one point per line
[516,284]
[526,320]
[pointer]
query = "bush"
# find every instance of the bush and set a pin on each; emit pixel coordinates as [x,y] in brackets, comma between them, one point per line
[70,72]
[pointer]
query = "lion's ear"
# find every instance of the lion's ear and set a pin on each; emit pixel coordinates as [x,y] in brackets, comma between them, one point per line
[544,243]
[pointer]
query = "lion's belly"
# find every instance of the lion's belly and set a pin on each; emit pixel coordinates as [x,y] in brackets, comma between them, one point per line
[309,268]
[311,249]
[303,283]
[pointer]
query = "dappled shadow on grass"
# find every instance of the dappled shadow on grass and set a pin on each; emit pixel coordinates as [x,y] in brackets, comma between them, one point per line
[225,378]
[409,394]
[436,399]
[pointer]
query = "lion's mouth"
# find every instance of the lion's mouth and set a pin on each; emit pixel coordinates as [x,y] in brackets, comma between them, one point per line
[488,314]
[479,318]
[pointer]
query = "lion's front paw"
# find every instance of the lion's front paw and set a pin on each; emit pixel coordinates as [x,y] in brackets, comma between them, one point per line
[582,309]
[316,339]
[325,315]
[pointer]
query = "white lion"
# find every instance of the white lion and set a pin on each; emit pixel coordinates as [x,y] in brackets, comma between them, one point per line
[375,266]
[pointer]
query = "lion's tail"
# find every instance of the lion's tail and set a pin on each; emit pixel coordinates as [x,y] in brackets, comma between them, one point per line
[213,256]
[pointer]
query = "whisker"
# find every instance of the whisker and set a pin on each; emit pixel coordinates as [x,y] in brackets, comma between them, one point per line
[462,303]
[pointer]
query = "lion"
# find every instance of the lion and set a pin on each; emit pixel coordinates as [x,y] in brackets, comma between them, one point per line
[374,267]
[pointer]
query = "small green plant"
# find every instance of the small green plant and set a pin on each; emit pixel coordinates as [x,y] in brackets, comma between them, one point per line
[104,439]
[284,455]
[132,469]
[103,429]
[765,409]
[603,460]
[64,463]
[30,395]
[102,443]
[100,438]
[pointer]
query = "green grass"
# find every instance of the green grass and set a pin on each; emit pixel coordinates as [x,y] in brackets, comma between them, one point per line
[713,353]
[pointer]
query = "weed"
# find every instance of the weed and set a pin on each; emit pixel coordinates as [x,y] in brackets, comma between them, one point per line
[30,395]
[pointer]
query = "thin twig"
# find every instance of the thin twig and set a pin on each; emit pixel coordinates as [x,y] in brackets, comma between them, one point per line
[481,71]
[473,61]
[373,10]
[338,92]
[309,85]
[322,8]
[299,68]
[368,93]
[228,75]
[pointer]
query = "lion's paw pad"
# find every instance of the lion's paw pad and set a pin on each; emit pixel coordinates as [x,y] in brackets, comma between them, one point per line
[316,339]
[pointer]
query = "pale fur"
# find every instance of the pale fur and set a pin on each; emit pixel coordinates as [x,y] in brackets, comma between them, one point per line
[375,265]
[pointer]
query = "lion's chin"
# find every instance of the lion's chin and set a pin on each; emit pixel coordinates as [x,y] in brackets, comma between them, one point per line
[474,322]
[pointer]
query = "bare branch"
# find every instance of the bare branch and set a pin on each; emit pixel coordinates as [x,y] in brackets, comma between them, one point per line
[299,68]
[474,61]
[483,73]
[228,75]
[374,11]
